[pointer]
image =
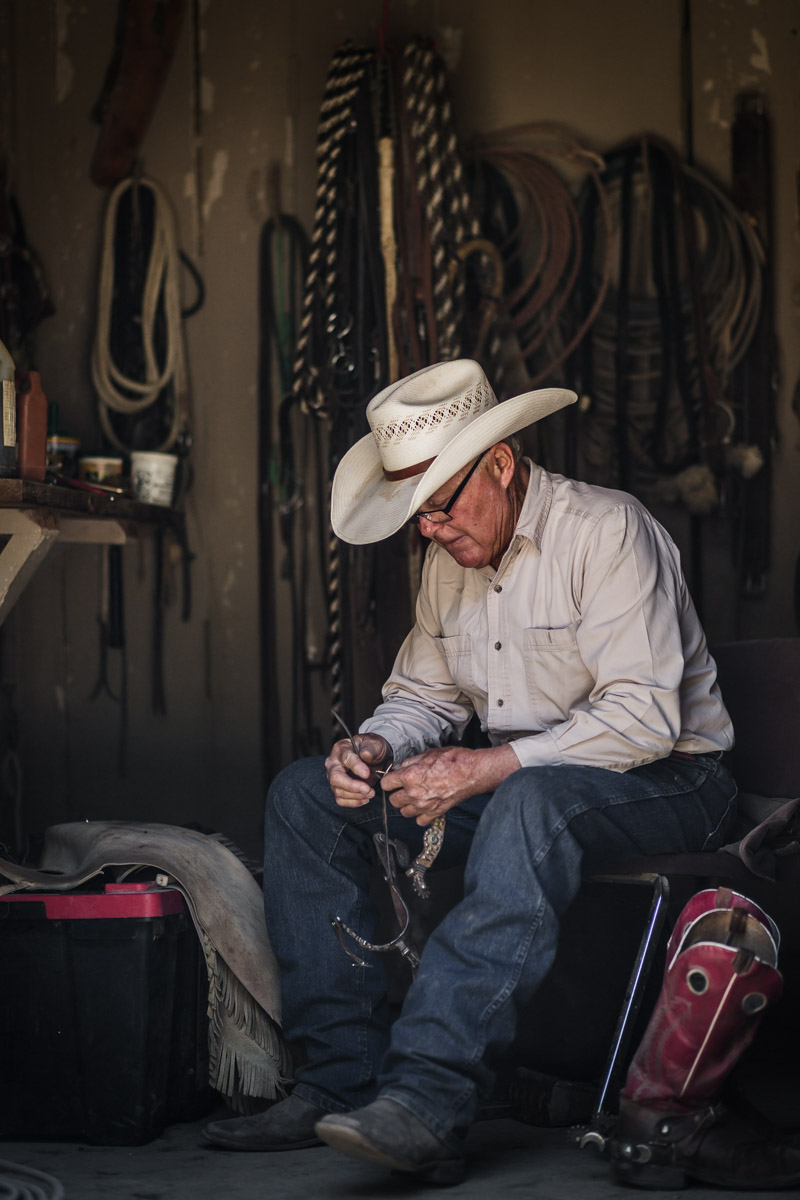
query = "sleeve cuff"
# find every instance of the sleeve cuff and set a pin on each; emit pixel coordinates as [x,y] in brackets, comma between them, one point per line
[538,750]
[402,748]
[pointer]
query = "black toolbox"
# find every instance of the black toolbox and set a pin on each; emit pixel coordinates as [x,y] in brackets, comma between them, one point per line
[103,1015]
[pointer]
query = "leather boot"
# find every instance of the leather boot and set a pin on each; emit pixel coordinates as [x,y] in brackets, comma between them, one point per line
[720,977]
[386,1133]
[287,1125]
[658,1150]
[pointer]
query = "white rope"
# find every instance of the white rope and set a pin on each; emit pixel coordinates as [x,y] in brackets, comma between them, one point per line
[119,392]
[26,1183]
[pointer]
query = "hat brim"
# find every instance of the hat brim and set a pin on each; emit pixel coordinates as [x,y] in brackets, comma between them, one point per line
[366,507]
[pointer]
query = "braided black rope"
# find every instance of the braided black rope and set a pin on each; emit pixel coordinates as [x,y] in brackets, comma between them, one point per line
[446,202]
[346,75]
[341,344]
[320,320]
[463,220]
[420,67]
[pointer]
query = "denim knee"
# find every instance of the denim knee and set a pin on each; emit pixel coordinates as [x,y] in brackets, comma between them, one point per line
[296,784]
[531,799]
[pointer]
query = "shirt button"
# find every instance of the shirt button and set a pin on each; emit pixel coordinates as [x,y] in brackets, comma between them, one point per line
[498,645]
[499,703]
[498,587]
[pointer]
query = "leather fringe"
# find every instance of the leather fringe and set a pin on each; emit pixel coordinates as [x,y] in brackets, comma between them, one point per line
[248,1057]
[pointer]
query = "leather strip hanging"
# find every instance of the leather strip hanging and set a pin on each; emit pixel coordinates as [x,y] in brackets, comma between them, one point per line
[283,255]
[755,386]
[25,298]
[145,41]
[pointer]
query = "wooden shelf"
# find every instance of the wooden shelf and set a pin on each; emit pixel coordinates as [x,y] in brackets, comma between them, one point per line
[23,493]
[36,516]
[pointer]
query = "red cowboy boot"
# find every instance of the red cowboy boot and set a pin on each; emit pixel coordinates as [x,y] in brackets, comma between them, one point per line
[720,976]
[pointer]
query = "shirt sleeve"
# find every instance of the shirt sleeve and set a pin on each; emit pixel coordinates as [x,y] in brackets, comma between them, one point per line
[631,597]
[422,705]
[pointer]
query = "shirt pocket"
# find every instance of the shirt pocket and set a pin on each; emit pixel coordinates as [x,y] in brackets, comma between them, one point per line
[557,679]
[457,653]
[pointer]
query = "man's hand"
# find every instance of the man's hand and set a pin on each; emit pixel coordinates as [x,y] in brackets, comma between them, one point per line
[428,784]
[350,775]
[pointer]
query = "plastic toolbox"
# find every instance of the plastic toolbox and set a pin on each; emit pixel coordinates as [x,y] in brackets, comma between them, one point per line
[103,1015]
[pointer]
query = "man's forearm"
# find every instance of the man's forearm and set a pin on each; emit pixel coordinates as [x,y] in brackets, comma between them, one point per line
[492,766]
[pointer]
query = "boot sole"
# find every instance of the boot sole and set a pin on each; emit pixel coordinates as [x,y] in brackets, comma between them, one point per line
[441,1171]
[263,1147]
[654,1177]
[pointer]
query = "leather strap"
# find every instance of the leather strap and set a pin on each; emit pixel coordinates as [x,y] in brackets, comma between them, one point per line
[408,472]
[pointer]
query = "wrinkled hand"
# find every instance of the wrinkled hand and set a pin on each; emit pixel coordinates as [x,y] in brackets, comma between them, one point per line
[350,775]
[428,784]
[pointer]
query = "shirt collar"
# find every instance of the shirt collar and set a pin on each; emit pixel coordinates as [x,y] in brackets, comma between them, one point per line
[536,506]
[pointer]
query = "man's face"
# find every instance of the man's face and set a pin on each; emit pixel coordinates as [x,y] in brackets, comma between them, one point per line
[482,520]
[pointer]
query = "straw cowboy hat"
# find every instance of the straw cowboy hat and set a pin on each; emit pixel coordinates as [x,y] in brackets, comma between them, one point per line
[425,428]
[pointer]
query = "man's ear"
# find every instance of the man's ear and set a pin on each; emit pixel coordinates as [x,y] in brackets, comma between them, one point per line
[501,459]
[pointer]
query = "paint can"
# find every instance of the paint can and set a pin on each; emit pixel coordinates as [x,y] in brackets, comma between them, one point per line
[100,468]
[153,476]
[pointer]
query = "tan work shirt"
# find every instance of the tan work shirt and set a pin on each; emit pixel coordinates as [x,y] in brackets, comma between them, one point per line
[583,647]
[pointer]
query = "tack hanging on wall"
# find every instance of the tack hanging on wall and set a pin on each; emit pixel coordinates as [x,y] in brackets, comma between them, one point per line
[146,36]
[139,367]
[680,313]
[198,147]
[755,383]
[397,278]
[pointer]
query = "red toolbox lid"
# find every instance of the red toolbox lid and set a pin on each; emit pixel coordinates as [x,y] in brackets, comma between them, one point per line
[116,900]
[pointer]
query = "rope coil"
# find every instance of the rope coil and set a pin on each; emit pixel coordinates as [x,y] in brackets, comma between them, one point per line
[18,1182]
[693,285]
[118,390]
[542,245]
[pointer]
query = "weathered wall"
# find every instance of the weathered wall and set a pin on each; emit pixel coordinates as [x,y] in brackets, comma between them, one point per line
[605,70]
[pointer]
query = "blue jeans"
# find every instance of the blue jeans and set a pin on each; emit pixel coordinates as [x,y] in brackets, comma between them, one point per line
[526,847]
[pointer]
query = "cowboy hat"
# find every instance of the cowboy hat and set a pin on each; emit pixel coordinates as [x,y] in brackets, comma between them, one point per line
[425,428]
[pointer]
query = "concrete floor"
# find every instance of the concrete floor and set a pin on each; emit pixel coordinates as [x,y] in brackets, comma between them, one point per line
[505,1157]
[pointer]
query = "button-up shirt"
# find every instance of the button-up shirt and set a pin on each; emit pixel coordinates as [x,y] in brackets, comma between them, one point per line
[583,647]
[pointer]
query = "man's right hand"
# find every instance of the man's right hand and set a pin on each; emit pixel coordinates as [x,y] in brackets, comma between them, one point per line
[351,775]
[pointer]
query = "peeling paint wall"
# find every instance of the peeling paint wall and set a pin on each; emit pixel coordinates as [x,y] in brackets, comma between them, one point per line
[606,71]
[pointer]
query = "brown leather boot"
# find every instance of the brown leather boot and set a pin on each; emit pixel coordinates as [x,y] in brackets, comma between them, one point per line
[712,1145]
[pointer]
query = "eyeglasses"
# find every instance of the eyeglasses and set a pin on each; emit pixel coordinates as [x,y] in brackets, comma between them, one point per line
[438,516]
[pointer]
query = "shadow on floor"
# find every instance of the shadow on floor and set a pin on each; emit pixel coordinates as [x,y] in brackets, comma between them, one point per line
[505,1157]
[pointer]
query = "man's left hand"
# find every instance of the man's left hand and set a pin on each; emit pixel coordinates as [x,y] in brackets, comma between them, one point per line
[428,784]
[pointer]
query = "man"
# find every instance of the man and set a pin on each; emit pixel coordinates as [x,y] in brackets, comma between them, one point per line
[559,614]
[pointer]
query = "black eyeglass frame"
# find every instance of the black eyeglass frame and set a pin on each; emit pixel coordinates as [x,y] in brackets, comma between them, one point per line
[447,508]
